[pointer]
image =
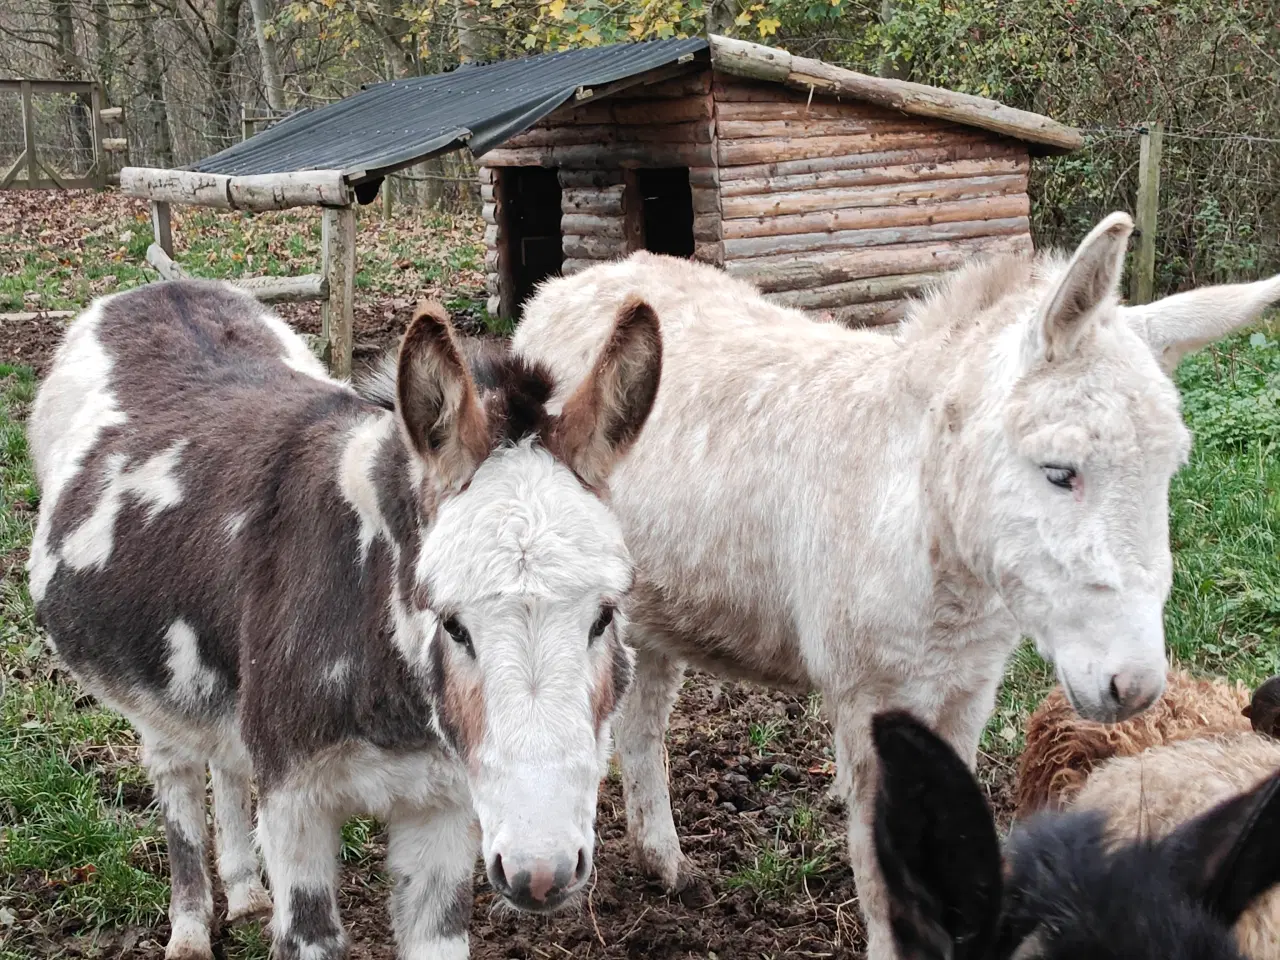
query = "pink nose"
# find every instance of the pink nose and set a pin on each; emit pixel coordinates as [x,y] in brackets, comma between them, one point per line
[538,883]
[1132,691]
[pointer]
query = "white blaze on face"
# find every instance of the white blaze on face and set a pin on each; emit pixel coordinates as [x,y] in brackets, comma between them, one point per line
[520,567]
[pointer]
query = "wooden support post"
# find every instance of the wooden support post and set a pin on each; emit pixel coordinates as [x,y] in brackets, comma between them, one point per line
[338,239]
[29,134]
[98,171]
[161,226]
[632,212]
[1143,278]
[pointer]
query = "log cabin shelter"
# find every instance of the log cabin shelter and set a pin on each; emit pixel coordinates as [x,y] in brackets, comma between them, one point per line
[834,191]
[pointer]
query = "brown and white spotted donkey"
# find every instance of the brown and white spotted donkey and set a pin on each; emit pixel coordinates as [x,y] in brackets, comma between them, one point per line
[410,609]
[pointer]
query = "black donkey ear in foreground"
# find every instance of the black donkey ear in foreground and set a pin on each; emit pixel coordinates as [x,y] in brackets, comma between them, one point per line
[936,845]
[1230,855]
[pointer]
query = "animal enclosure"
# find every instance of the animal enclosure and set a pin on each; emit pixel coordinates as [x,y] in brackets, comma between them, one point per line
[832,201]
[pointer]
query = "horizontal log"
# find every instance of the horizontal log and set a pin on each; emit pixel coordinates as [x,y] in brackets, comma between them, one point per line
[485,175]
[756,61]
[570,267]
[274,191]
[705,201]
[590,178]
[973,218]
[891,205]
[709,251]
[746,194]
[493,284]
[490,235]
[489,213]
[308,286]
[593,248]
[602,136]
[587,225]
[599,204]
[877,314]
[164,264]
[855,291]
[592,156]
[488,192]
[491,260]
[111,115]
[706,227]
[798,107]
[727,88]
[807,202]
[806,271]
[778,149]
[688,84]
[115,144]
[877,158]
[802,129]
[493,306]
[628,112]
[704,176]
[25,316]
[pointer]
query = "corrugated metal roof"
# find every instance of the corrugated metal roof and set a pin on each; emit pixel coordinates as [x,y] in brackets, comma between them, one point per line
[388,125]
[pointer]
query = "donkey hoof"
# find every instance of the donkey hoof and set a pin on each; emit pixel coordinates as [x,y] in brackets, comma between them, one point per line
[189,943]
[692,889]
[249,903]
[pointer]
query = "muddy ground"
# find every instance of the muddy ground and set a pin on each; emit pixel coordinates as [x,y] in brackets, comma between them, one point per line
[750,771]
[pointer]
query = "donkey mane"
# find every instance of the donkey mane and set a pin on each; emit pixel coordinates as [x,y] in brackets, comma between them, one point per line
[965,297]
[514,390]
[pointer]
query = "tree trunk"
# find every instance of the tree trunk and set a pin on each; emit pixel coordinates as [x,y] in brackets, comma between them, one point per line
[720,16]
[271,78]
[103,51]
[157,110]
[224,43]
[72,67]
[471,45]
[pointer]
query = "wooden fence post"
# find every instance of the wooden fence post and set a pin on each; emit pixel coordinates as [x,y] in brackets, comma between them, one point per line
[338,239]
[161,226]
[1142,280]
[29,133]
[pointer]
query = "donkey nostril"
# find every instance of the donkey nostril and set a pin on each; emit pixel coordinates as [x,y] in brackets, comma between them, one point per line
[496,876]
[583,868]
[1115,690]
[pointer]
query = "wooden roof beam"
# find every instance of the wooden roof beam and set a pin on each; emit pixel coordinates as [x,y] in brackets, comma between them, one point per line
[757,62]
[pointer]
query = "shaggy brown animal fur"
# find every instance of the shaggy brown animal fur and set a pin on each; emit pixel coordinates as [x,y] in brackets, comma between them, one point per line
[1062,748]
[1151,794]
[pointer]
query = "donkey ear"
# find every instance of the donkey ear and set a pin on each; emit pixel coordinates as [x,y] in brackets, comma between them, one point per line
[436,401]
[1185,322]
[1091,278]
[1230,855]
[936,845]
[603,417]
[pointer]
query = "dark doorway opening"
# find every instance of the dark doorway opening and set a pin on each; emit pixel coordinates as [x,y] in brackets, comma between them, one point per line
[667,207]
[531,226]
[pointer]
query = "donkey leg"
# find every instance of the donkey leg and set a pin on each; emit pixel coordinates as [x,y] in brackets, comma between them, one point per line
[855,752]
[965,713]
[237,859]
[179,779]
[639,734]
[300,842]
[432,856]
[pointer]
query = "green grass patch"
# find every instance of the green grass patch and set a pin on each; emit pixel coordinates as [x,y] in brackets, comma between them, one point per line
[66,853]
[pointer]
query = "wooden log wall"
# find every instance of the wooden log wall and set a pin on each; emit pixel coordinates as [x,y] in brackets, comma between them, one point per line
[597,146]
[843,208]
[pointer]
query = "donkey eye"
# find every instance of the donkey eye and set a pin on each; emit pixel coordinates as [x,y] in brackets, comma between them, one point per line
[602,623]
[458,633]
[1059,476]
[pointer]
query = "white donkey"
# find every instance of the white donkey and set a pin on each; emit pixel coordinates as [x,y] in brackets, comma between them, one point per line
[882,517]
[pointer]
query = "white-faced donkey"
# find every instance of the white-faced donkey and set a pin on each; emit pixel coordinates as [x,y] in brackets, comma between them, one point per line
[880,517]
[410,612]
